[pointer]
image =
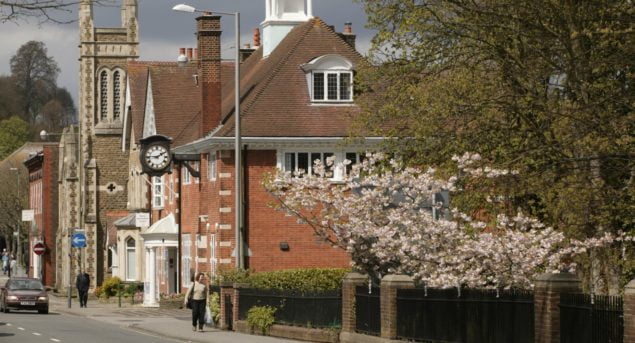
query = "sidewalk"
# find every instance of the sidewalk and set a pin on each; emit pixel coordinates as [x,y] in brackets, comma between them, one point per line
[169,323]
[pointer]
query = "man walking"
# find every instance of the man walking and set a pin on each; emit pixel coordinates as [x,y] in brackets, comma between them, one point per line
[83,284]
[5,261]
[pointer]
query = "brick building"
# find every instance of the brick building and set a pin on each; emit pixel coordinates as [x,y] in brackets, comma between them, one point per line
[43,200]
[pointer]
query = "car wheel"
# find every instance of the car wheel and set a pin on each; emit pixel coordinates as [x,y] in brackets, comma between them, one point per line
[45,311]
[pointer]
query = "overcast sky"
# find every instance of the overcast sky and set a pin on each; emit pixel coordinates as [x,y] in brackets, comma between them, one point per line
[163,31]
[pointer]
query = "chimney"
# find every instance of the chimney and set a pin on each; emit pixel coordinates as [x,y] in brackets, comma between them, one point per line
[208,36]
[245,52]
[256,38]
[347,35]
[189,54]
[182,59]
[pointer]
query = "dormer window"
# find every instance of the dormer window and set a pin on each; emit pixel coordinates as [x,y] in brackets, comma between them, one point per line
[330,79]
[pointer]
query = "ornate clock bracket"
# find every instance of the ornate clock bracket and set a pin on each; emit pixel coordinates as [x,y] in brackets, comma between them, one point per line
[185,159]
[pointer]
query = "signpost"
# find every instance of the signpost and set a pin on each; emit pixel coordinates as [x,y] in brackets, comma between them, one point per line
[28,215]
[75,240]
[142,219]
[78,240]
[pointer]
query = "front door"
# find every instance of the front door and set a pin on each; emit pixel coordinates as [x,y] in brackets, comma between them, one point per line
[172,270]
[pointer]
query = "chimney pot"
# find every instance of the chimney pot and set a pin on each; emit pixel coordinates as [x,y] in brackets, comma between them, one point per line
[256,37]
[348,28]
[189,54]
[182,59]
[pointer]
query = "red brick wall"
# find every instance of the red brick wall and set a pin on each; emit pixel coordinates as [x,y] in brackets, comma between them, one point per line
[50,211]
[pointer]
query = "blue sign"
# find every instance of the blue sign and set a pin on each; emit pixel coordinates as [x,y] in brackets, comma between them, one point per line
[78,240]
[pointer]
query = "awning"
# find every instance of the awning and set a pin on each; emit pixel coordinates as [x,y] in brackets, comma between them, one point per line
[164,228]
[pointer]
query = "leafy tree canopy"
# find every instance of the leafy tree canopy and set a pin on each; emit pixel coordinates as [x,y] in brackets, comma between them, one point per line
[14,132]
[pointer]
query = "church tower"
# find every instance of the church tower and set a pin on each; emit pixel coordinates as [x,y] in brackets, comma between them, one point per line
[104,56]
[282,16]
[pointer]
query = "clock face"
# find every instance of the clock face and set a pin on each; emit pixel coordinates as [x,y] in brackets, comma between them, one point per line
[157,157]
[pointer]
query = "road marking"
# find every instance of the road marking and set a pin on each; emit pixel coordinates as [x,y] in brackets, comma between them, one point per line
[37,334]
[19,328]
[9,324]
[55,340]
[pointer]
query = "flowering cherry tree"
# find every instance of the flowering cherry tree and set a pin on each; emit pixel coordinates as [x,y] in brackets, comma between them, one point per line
[381,214]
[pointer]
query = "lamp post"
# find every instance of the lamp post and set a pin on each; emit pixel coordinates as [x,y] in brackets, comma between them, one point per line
[18,255]
[44,136]
[237,144]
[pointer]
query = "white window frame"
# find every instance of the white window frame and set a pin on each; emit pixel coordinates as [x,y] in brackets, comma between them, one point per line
[340,155]
[196,165]
[211,166]
[187,177]
[213,260]
[325,86]
[158,192]
[131,275]
[171,190]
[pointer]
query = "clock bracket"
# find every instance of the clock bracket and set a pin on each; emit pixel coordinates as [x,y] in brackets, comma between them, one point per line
[185,160]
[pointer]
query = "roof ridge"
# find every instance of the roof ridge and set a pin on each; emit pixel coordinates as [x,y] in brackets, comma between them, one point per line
[279,66]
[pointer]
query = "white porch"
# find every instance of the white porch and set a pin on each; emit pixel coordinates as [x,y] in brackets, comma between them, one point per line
[160,246]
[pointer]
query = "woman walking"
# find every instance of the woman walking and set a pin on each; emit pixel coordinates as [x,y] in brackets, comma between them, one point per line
[196,296]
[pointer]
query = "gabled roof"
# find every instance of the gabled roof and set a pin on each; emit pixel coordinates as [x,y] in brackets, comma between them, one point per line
[274,91]
[176,98]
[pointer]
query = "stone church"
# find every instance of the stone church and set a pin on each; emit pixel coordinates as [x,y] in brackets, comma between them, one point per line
[90,197]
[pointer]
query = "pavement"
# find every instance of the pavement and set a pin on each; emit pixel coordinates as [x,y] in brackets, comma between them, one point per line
[173,324]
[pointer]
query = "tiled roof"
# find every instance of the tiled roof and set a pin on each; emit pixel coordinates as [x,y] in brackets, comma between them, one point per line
[176,99]
[274,90]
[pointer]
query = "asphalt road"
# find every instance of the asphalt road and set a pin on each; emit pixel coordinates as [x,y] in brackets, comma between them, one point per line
[31,327]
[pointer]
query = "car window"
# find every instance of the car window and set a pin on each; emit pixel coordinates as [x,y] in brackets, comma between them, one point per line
[25,284]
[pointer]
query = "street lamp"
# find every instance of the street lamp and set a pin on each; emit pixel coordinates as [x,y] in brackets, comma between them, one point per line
[44,136]
[18,255]
[237,144]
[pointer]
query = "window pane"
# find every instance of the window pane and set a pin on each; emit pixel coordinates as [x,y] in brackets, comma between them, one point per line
[332,86]
[116,96]
[303,161]
[318,86]
[329,169]
[345,86]
[289,161]
[103,93]
[315,156]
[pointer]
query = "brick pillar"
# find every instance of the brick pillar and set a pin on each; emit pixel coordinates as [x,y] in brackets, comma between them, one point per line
[237,288]
[546,304]
[349,283]
[388,302]
[629,312]
[225,289]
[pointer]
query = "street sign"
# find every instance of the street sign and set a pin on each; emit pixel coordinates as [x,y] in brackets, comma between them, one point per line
[78,240]
[28,215]
[39,248]
[142,219]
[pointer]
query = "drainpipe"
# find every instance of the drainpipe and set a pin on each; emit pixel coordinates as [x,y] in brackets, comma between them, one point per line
[178,248]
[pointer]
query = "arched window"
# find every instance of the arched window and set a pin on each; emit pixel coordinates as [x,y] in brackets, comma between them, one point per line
[103,95]
[116,95]
[131,259]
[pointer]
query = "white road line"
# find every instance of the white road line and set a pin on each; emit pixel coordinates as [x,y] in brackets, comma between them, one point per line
[9,324]
[19,328]
[55,340]
[37,334]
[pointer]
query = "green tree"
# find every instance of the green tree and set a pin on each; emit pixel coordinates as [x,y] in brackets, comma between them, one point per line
[9,100]
[14,132]
[544,87]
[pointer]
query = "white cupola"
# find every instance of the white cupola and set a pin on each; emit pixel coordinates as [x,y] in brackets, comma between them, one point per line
[282,16]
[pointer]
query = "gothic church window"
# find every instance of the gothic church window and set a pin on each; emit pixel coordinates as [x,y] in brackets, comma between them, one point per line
[116,95]
[103,94]
[111,95]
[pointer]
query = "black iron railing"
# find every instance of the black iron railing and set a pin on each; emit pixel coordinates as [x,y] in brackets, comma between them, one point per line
[307,309]
[585,318]
[450,315]
[367,310]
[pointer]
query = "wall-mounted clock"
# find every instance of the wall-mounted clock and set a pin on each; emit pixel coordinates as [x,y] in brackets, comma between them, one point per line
[155,155]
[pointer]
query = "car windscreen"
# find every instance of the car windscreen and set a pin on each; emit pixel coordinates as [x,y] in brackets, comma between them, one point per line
[25,285]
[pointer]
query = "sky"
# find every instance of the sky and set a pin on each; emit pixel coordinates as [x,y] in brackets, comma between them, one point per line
[163,31]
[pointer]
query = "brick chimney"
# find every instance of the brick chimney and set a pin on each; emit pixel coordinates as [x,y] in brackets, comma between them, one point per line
[208,34]
[347,34]
[189,54]
[256,37]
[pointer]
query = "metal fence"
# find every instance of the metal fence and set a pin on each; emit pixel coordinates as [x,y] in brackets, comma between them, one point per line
[307,309]
[586,318]
[447,315]
[367,310]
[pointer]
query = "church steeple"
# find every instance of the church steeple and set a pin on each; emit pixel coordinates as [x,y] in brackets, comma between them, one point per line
[281,17]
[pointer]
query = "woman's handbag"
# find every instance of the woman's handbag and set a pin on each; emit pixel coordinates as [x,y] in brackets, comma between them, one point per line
[188,304]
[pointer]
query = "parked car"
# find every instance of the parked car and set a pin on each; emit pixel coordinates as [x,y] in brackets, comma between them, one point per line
[24,294]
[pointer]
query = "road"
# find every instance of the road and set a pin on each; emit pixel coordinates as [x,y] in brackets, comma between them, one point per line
[30,327]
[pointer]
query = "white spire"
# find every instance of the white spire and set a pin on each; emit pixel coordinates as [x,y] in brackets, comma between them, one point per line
[281,17]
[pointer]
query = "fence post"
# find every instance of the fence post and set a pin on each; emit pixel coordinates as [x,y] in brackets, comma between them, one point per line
[388,302]
[350,282]
[225,289]
[629,312]
[548,288]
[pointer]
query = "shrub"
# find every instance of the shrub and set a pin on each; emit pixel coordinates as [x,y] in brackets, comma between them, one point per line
[98,292]
[261,317]
[214,306]
[303,280]
[110,287]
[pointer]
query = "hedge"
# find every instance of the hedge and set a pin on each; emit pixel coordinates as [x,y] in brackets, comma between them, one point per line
[307,280]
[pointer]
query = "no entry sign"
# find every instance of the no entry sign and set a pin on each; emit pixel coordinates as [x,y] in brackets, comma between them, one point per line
[39,248]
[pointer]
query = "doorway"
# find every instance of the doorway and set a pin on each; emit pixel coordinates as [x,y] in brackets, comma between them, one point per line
[172,286]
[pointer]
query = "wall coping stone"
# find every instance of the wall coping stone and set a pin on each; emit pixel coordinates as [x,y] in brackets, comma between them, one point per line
[388,279]
[355,278]
[558,282]
[241,285]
